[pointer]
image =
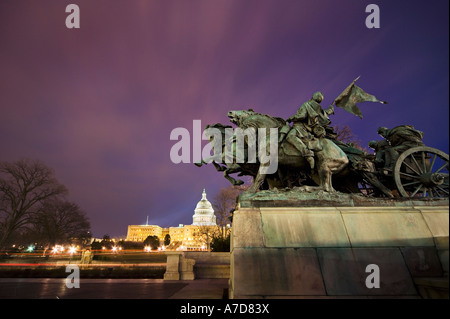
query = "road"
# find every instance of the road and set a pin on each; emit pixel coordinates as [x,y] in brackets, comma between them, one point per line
[55,288]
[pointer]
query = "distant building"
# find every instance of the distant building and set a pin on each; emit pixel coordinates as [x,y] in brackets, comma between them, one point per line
[204,213]
[141,232]
[185,237]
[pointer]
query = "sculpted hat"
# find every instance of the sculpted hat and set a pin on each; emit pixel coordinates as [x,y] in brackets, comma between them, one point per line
[318,96]
[382,130]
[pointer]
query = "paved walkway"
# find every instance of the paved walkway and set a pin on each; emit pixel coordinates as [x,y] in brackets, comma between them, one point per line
[54,288]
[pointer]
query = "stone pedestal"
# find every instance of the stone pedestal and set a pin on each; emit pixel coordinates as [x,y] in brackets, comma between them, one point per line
[321,249]
[178,267]
[172,265]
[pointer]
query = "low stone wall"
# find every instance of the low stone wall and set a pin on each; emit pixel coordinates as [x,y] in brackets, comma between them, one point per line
[203,265]
[210,265]
[207,257]
[323,252]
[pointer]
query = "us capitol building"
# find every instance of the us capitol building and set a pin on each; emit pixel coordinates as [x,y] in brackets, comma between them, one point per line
[185,237]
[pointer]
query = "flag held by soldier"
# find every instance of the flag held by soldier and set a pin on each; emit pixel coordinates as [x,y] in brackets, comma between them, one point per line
[353,94]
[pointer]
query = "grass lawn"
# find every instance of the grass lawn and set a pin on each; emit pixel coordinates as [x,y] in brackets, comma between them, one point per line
[37,266]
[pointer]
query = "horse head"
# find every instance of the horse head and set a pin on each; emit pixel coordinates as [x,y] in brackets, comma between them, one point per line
[236,117]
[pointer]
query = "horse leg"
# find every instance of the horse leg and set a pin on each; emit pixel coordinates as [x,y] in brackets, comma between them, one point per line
[231,170]
[199,164]
[204,161]
[218,167]
[331,160]
[257,182]
[207,160]
[325,178]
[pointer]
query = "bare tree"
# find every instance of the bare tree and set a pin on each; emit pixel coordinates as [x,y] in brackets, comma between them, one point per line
[24,184]
[60,221]
[225,201]
[346,135]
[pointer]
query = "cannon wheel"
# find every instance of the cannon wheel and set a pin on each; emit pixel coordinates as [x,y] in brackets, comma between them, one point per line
[422,172]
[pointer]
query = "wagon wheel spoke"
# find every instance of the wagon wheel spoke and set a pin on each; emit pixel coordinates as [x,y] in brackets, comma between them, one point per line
[412,183]
[440,188]
[409,175]
[438,193]
[417,189]
[424,163]
[411,168]
[417,164]
[432,163]
[441,168]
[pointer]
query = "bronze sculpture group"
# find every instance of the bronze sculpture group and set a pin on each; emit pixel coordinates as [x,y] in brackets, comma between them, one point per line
[311,158]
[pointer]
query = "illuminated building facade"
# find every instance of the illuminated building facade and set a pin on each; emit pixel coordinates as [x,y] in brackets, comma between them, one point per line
[141,232]
[186,237]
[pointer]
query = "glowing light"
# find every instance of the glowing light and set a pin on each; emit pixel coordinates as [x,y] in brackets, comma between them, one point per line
[30,248]
[114,249]
[147,249]
[72,250]
[57,249]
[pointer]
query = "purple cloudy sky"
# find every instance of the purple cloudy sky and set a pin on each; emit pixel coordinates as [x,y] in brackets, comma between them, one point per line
[98,103]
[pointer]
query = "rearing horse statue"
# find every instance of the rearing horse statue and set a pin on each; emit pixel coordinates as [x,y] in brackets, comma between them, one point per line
[330,158]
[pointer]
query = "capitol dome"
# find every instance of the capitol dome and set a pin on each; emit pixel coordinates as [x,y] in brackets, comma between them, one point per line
[204,213]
